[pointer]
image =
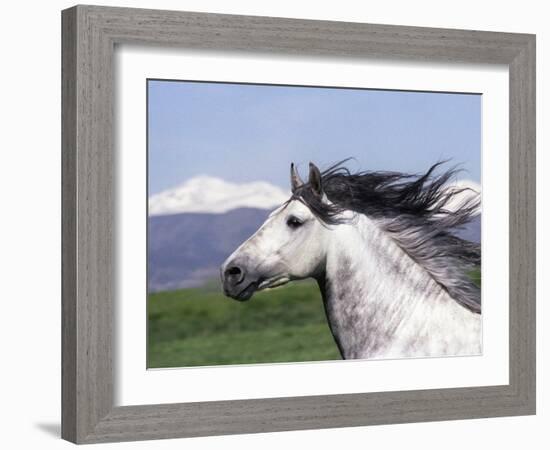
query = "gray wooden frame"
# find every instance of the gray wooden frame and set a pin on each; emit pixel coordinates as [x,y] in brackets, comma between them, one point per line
[89,36]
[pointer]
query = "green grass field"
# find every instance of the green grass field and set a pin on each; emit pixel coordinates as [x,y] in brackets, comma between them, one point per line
[202,327]
[199,327]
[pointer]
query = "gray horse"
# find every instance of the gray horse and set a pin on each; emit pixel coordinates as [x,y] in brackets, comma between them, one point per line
[392,274]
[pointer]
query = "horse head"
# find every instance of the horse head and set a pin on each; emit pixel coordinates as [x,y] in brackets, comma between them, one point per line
[290,244]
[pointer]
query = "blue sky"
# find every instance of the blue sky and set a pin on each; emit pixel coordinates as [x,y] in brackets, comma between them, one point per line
[252,132]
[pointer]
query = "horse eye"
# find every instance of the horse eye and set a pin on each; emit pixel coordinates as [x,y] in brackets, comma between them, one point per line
[294,222]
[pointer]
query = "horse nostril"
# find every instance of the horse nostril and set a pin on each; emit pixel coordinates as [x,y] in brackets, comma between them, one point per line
[234,274]
[233,271]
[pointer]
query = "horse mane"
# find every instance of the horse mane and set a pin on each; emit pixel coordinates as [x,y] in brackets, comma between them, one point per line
[412,210]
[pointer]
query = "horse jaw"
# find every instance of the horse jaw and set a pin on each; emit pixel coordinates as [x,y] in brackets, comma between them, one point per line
[274,282]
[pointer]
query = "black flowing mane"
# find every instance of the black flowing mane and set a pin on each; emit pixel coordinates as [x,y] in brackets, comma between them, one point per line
[412,210]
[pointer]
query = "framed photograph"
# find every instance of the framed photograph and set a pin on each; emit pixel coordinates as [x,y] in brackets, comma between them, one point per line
[278,224]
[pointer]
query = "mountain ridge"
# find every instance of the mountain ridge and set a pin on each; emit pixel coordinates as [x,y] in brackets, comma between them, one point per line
[207,194]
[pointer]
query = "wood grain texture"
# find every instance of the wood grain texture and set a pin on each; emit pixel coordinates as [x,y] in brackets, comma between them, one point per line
[523,225]
[68,226]
[89,36]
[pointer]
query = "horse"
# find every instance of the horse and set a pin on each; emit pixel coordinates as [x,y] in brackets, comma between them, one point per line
[382,246]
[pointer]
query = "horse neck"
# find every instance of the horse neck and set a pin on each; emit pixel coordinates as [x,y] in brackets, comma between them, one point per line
[380,302]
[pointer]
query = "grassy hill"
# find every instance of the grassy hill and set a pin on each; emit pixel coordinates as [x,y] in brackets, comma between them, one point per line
[202,327]
[197,327]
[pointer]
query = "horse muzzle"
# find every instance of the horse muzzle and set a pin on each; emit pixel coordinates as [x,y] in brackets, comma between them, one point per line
[237,282]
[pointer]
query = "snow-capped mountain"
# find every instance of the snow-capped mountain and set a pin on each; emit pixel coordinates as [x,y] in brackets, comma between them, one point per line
[206,194]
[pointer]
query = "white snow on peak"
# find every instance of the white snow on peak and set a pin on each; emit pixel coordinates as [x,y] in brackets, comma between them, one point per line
[207,194]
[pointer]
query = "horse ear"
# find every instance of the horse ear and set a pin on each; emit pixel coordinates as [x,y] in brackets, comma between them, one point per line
[295,180]
[315,180]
